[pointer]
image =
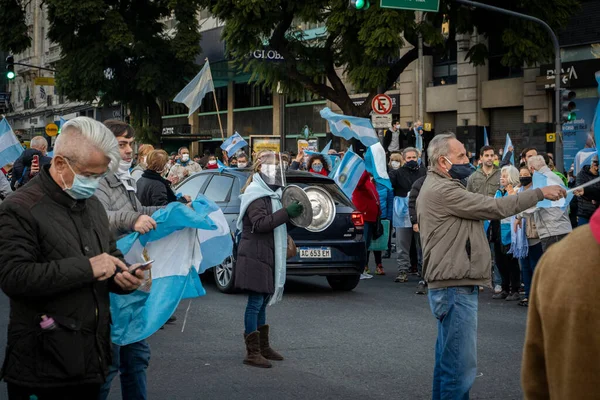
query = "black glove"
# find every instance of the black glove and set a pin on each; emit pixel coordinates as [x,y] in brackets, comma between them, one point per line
[294,209]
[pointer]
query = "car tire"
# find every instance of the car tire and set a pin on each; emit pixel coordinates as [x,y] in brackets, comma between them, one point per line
[344,283]
[224,275]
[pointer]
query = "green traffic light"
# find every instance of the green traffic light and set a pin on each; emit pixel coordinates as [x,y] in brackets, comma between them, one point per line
[572,116]
[360,4]
[10,75]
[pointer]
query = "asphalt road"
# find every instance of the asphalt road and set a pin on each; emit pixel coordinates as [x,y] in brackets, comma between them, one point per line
[375,342]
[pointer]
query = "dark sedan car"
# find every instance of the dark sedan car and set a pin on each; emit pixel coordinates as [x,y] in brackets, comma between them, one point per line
[338,252]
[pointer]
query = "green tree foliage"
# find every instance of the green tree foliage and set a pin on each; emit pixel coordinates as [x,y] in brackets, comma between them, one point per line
[117,51]
[364,46]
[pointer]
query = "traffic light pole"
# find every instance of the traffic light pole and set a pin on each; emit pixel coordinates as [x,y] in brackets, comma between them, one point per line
[558,156]
[34,66]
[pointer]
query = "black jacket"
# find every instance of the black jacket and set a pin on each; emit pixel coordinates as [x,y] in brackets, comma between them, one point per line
[24,162]
[403,179]
[412,200]
[46,241]
[255,266]
[154,190]
[585,207]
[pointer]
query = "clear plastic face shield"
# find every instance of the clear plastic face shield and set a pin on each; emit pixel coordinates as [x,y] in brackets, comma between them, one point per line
[272,169]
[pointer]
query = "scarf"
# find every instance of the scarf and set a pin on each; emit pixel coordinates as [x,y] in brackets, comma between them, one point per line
[256,190]
[125,176]
[519,246]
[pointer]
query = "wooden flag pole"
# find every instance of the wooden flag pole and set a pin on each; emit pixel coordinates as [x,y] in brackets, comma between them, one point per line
[216,104]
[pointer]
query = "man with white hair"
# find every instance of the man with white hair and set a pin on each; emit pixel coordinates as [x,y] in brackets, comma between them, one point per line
[58,263]
[25,168]
[457,259]
[552,223]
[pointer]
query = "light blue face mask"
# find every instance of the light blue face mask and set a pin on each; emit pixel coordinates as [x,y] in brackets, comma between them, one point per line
[317,167]
[83,187]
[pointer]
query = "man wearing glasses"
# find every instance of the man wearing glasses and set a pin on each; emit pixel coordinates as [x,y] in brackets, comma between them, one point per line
[58,263]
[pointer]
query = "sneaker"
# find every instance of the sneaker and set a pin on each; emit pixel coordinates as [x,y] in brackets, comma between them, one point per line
[379,270]
[500,296]
[498,289]
[421,288]
[514,297]
[365,276]
[367,270]
[402,277]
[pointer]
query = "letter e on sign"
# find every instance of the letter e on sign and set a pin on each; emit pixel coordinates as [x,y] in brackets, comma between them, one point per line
[382,104]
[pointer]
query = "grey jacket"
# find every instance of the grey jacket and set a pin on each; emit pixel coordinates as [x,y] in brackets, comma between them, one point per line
[456,251]
[481,183]
[121,205]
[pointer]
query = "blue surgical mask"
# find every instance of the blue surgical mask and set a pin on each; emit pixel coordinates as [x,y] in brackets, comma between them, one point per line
[460,171]
[83,187]
[317,167]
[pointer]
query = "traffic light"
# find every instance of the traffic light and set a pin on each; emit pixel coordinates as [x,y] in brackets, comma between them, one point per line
[567,105]
[10,68]
[359,4]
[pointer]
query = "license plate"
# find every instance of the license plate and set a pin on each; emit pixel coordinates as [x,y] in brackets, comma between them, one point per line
[315,252]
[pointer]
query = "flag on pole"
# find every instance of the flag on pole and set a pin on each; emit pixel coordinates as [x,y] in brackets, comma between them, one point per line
[349,172]
[351,127]
[10,147]
[506,146]
[419,141]
[376,166]
[486,140]
[233,144]
[541,180]
[194,92]
[184,244]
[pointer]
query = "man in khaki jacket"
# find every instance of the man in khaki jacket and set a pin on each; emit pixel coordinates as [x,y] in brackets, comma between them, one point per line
[456,258]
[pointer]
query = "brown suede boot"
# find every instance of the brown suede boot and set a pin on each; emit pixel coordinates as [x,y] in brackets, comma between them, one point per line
[253,356]
[265,348]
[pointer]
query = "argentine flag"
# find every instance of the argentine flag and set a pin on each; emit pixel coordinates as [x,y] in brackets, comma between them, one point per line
[486,140]
[10,148]
[233,144]
[506,146]
[350,127]
[376,166]
[541,180]
[194,92]
[349,172]
[184,244]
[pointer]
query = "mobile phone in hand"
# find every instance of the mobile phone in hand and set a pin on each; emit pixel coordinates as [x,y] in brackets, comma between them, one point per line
[142,265]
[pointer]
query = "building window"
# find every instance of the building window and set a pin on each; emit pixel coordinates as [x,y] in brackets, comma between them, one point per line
[172,108]
[249,95]
[495,67]
[445,68]
[208,103]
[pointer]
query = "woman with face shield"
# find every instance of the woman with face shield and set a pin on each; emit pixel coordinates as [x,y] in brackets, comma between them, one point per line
[261,252]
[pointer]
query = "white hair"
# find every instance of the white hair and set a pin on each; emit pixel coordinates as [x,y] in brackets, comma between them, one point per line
[536,162]
[512,174]
[39,143]
[80,135]
[439,147]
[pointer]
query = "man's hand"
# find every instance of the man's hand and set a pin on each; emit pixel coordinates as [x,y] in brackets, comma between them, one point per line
[578,192]
[35,169]
[554,192]
[174,179]
[187,198]
[185,173]
[300,155]
[144,224]
[128,281]
[416,228]
[105,265]
[517,224]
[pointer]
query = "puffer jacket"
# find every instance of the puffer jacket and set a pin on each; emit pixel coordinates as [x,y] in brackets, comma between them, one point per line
[403,178]
[122,206]
[455,248]
[386,201]
[46,241]
[585,207]
[412,199]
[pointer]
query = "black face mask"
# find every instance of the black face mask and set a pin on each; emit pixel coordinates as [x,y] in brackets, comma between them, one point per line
[412,164]
[525,180]
[461,171]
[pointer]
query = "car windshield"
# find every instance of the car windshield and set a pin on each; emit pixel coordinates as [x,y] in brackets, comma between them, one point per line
[339,197]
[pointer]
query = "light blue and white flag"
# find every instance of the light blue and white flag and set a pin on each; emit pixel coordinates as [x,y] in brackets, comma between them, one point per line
[10,147]
[401,218]
[193,93]
[486,139]
[419,140]
[506,146]
[234,143]
[351,127]
[184,244]
[540,181]
[582,158]
[349,172]
[326,148]
[376,166]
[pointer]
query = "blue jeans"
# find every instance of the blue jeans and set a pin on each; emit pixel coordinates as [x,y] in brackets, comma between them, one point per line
[456,348]
[528,266]
[582,221]
[132,361]
[496,277]
[256,312]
